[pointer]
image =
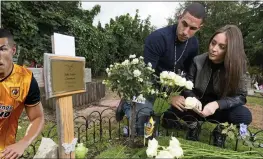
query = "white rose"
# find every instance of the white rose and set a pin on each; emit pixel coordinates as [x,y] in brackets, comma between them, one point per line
[171,75]
[104,82]
[171,83]
[135,61]
[189,85]
[164,154]
[132,56]
[140,79]
[177,79]
[136,73]
[153,143]
[182,82]
[149,64]
[164,74]
[162,81]
[192,102]
[111,65]
[175,151]
[165,95]
[107,70]
[126,62]
[151,152]
[141,57]
[152,148]
[149,68]
[174,142]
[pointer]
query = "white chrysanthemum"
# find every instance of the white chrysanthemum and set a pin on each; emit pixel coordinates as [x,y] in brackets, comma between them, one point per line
[136,73]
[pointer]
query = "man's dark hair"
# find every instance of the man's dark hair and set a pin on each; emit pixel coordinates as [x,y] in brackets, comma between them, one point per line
[5,33]
[197,10]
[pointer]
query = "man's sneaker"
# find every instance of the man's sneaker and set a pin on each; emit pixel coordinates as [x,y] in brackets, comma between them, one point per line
[219,138]
[193,133]
[119,112]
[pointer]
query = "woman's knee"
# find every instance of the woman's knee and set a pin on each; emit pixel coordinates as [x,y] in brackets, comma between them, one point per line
[240,114]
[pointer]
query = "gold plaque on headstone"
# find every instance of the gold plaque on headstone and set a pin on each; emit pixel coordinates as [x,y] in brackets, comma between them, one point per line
[67,76]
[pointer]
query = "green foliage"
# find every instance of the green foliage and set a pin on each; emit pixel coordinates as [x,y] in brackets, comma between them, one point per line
[246,15]
[34,22]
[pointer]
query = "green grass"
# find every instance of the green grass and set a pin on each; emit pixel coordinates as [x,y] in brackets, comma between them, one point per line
[255,100]
[191,149]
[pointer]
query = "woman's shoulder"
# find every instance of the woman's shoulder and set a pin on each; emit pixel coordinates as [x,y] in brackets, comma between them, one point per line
[201,57]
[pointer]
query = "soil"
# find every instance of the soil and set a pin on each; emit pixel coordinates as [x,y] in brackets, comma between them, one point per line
[257,115]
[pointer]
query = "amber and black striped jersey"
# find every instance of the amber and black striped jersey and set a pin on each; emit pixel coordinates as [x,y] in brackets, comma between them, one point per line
[17,90]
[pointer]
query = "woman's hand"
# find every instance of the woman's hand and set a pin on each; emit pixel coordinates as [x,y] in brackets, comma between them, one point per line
[210,109]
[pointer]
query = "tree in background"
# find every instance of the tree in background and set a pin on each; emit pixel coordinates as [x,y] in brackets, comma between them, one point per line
[33,23]
[246,15]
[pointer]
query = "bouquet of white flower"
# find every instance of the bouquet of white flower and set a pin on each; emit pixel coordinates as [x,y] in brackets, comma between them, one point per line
[174,149]
[170,84]
[131,79]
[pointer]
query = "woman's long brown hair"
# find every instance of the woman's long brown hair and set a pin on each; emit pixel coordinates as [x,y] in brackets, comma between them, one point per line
[235,61]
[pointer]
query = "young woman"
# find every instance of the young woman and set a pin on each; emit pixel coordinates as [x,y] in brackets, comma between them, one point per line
[219,78]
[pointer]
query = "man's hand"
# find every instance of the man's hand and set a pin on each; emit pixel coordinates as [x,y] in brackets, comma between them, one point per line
[210,109]
[178,102]
[14,151]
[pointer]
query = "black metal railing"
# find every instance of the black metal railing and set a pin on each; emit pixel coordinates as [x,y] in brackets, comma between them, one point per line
[99,126]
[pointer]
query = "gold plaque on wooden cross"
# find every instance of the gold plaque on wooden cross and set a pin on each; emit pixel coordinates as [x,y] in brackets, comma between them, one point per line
[64,75]
[67,76]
